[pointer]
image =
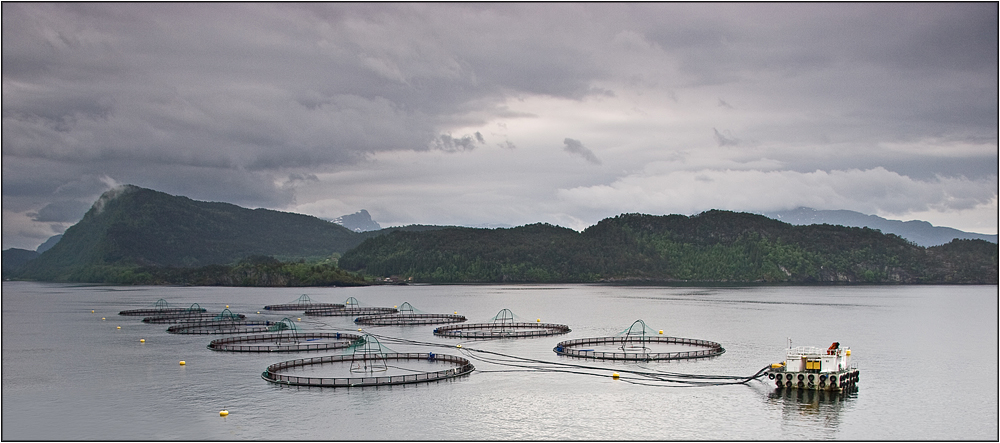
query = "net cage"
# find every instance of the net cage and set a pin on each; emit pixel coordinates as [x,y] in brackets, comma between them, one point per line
[639,343]
[408,316]
[370,364]
[303,303]
[161,308]
[189,316]
[351,308]
[284,336]
[225,326]
[504,325]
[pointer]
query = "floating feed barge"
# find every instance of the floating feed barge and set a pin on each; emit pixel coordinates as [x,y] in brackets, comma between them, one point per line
[284,336]
[369,365]
[639,343]
[303,303]
[808,367]
[351,308]
[502,326]
[161,308]
[408,316]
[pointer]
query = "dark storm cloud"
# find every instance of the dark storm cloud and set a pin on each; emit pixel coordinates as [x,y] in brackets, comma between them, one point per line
[575,147]
[248,102]
[901,69]
[240,86]
[723,140]
[61,211]
[447,143]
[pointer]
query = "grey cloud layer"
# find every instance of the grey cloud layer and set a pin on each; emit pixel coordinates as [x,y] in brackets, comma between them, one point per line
[576,147]
[229,101]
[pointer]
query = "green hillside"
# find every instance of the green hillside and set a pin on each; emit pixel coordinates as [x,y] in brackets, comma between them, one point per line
[715,246]
[133,235]
[136,227]
[15,258]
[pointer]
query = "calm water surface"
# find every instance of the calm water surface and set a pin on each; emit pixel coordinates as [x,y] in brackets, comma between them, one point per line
[927,356]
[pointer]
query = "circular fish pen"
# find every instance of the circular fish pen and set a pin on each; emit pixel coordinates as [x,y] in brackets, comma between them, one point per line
[161,308]
[503,326]
[188,316]
[408,316]
[351,308]
[277,340]
[221,327]
[348,312]
[303,303]
[638,344]
[367,366]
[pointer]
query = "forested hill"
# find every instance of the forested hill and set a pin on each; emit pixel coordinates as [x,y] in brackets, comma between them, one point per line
[715,246]
[133,226]
[136,235]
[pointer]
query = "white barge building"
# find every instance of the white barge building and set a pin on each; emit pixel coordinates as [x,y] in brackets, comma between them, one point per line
[809,367]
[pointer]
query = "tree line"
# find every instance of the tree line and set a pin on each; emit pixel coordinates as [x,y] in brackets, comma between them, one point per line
[715,246]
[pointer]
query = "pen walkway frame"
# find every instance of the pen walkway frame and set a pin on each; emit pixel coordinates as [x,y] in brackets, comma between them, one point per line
[273,375]
[711,349]
[285,342]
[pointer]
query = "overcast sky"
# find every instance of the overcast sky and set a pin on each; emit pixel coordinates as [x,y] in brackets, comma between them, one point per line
[502,113]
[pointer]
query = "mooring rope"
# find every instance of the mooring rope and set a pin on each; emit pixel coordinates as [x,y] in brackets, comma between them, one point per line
[647,377]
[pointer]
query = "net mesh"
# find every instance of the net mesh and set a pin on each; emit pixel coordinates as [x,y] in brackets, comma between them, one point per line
[505,316]
[636,337]
[286,324]
[226,314]
[369,355]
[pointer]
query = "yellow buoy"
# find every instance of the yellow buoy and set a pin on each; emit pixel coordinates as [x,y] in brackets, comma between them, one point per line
[119,327]
[102,318]
[258,312]
[456,312]
[458,346]
[227,306]
[142,340]
[359,329]
[538,320]
[183,362]
[223,413]
[661,332]
[614,375]
[395,306]
[300,319]
[91,311]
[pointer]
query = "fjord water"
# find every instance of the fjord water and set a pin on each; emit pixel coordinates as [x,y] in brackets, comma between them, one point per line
[927,357]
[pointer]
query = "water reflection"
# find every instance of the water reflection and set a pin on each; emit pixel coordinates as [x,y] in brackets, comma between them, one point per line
[821,408]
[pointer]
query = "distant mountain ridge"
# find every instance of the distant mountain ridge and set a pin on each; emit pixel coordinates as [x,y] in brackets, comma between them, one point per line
[48,244]
[916,231]
[360,221]
[132,228]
